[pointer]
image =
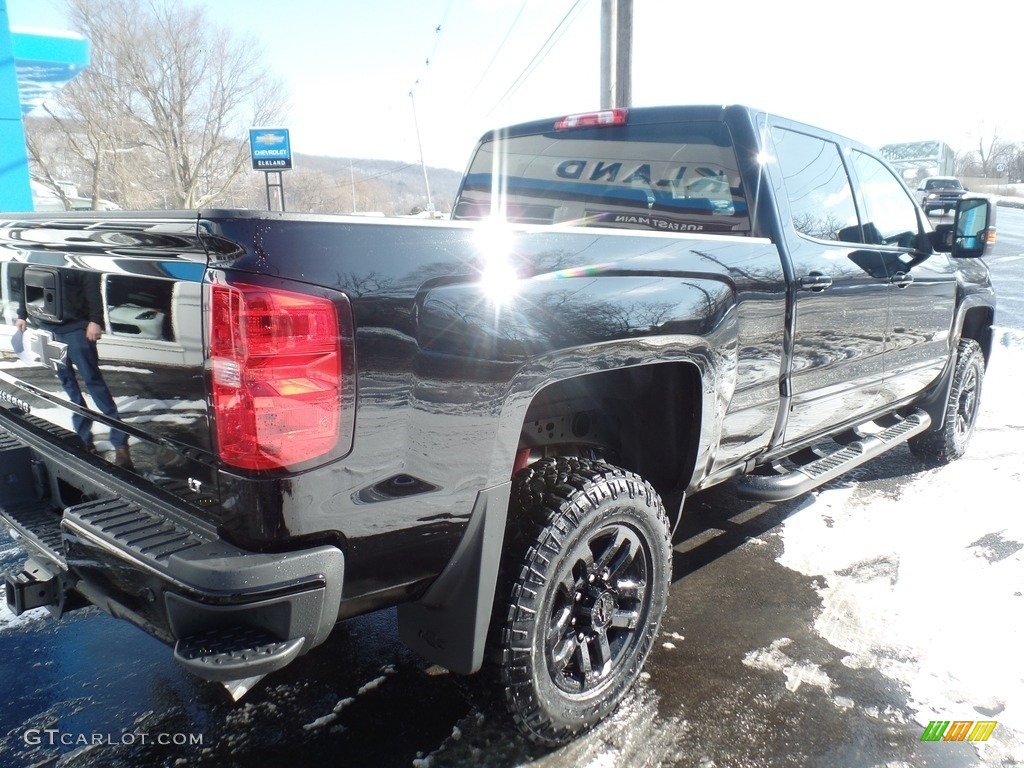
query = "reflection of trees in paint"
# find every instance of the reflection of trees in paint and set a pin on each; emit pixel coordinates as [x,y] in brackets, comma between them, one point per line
[821,224]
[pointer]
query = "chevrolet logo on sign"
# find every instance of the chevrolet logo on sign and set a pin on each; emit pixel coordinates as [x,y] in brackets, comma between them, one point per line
[271,149]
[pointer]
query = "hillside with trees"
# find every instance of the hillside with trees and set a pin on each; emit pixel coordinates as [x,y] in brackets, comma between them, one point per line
[152,125]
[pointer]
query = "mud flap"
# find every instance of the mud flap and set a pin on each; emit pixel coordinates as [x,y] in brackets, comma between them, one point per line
[448,625]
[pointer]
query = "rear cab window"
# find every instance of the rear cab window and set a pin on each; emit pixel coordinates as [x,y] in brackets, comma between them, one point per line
[678,177]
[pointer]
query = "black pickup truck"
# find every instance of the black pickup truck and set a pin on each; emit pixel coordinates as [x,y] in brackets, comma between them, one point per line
[492,423]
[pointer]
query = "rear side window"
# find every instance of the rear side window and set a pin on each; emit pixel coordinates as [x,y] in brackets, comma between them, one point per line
[676,178]
[818,188]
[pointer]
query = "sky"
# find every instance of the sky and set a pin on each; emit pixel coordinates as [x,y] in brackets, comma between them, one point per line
[866,70]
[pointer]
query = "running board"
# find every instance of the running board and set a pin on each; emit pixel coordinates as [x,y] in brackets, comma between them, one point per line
[789,483]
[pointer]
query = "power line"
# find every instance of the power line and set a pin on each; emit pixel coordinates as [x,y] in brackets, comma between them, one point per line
[560,29]
[496,53]
[437,41]
[363,177]
[380,175]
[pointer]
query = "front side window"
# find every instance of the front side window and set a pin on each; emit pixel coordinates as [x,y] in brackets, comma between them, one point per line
[819,191]
[890,215]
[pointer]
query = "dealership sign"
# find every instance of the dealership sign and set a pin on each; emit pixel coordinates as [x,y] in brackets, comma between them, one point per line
[271,150]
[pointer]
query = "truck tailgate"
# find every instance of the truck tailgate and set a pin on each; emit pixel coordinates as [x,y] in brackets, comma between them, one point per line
[149,271]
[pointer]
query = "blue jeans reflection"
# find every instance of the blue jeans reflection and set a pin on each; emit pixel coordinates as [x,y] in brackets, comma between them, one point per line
[83,358]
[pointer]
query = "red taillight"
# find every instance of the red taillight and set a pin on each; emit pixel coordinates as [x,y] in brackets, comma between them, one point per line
[592,119]
[276,363]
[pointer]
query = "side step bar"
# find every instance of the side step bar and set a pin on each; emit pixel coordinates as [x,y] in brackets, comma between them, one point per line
[789,483]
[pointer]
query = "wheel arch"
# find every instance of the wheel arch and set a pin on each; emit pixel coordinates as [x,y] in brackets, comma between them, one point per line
[645,419]
[975,323]
[448,624]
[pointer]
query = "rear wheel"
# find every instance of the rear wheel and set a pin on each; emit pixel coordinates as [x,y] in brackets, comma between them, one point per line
[949,439]
[583,590]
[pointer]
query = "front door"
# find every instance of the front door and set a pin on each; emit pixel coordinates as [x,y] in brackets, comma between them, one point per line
[922,293]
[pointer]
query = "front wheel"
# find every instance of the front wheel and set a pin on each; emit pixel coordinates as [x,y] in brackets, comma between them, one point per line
[584,587]
[948,441]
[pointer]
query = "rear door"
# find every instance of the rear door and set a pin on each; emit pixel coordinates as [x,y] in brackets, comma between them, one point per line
[841,289]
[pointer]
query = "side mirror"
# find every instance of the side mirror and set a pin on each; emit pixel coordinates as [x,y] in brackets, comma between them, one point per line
[972,231]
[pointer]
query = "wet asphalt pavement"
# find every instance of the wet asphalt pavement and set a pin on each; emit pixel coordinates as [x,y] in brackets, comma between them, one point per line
[93,691]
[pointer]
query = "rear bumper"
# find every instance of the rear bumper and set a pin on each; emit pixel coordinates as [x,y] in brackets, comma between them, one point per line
[231,614]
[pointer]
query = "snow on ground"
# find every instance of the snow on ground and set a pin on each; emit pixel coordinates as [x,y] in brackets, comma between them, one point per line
[9,621]
[928,587]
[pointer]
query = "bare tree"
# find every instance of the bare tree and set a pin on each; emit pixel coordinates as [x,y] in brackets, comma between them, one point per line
[313,191]
[987,148]
[160,115]
[310,191]
[993,158]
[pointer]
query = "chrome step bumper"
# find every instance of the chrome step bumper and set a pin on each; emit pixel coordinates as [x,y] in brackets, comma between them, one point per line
[135,555]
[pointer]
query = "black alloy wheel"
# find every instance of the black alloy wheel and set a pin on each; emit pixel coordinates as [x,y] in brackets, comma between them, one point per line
[584,587]
[949,439]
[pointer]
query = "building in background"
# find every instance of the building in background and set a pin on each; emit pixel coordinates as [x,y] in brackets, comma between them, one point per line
[917,159]
[34,65]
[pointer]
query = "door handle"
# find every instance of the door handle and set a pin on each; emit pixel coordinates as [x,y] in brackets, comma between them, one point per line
[901,279]
[815,281]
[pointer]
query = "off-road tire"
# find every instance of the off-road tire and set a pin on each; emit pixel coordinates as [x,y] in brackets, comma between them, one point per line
[948,440]
[583,585]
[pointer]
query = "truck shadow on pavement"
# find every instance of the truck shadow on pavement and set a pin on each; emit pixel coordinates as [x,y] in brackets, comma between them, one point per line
[716,522]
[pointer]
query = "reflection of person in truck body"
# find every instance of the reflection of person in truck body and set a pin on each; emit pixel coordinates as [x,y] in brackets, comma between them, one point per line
[80,328]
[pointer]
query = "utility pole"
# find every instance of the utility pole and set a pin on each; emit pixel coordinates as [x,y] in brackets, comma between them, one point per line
[352,183]
[616,53]
[426,181]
